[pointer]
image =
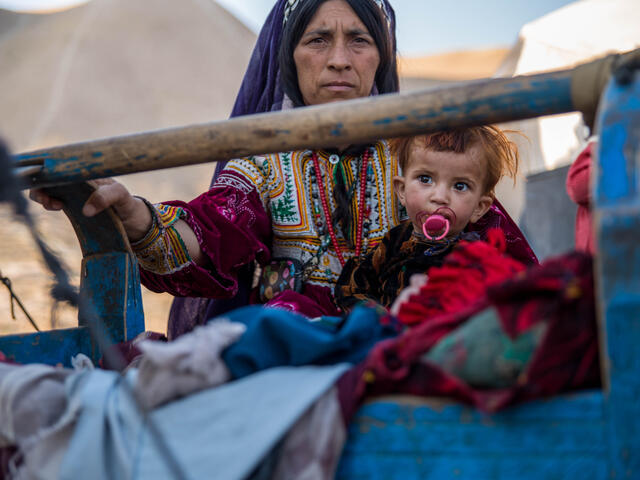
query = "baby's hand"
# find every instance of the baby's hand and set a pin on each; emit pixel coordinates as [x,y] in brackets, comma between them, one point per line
[415,284]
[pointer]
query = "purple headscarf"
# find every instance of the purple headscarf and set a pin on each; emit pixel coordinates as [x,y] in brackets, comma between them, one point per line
[261,90]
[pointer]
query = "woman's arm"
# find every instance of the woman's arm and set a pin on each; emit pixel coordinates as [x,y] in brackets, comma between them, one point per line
[136,217]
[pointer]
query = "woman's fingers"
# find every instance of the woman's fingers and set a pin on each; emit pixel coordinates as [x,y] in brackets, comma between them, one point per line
[49,203]
[108,193]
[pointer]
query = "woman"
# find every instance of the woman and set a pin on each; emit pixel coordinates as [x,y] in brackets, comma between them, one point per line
[278,210]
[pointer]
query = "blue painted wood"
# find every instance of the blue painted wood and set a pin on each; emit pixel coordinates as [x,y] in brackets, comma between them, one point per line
[456,466]
[111,281]
[555,438]
[617,223]
[55,347]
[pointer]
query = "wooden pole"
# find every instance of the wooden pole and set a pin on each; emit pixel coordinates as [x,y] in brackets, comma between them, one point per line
[350,122]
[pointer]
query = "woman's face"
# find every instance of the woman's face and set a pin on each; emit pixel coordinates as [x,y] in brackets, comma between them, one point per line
[336,57]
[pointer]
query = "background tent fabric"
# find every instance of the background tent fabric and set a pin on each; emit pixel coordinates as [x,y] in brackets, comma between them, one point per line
[105,68]
[574,34]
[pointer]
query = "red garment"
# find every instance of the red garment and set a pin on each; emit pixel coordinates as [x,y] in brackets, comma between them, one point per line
[468,271]
[559,292]
[578,188]
[233,229]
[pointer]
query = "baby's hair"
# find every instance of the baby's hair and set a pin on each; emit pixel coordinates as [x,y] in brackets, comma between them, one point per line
[500,153]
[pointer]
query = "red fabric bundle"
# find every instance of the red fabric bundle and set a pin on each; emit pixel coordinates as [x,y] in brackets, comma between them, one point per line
[464,277]
[559,292]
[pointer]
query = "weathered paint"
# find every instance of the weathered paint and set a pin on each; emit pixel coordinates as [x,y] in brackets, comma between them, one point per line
[55,347]
[355,121]
[109,277]
[617,218]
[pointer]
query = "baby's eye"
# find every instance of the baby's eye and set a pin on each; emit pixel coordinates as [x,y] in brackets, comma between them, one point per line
[461,186]
[425,179]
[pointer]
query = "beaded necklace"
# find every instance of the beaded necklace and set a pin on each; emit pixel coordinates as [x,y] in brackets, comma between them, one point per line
[361,205]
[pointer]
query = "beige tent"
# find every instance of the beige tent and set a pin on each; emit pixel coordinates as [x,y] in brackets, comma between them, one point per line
[106,68]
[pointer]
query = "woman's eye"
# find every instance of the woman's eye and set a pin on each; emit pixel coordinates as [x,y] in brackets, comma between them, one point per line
[424,178]
[461,186]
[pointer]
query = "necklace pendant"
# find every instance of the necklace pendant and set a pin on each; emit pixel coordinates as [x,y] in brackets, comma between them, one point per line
[334,159]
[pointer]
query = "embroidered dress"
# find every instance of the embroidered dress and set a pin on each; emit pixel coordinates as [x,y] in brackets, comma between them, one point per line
[267,207]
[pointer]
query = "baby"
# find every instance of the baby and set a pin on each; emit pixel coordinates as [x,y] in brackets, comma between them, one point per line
[448,181]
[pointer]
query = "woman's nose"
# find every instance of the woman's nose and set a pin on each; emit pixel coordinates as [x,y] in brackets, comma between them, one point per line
[339,57]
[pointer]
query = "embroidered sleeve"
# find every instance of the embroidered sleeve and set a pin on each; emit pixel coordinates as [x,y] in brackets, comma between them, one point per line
[232,227]
[162,250]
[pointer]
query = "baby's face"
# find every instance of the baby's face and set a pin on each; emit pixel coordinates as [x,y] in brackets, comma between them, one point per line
[445,182]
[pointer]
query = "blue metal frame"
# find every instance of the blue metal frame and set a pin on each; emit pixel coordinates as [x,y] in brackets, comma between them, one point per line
[592,435]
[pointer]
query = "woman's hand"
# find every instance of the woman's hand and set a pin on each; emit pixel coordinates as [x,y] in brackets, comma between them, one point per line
[133,213]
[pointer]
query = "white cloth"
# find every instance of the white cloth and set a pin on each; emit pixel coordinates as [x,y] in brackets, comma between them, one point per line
[33,402]
[190,363]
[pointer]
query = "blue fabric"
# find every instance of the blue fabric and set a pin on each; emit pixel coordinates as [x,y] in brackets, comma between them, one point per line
[222,432]
[276,337]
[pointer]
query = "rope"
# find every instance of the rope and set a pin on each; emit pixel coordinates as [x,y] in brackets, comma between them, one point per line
[13,298]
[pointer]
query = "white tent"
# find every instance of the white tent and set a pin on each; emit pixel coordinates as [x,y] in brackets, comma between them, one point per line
[561,39]
[570,35]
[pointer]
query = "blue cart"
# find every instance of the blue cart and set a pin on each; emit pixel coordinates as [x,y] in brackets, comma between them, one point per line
[588,435]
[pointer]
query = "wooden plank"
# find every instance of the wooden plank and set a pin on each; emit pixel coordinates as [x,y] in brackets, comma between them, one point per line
[354,121]
[55,347]
[111,281]
[350,122]
[565,425]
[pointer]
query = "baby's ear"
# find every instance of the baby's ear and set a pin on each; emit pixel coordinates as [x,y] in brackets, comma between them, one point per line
[484,203]
[398,186]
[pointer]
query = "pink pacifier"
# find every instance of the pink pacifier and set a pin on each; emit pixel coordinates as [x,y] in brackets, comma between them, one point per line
[435,224]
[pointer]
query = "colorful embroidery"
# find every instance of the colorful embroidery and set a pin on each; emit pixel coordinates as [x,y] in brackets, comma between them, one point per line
[283,182]
[284,209]
[162,250]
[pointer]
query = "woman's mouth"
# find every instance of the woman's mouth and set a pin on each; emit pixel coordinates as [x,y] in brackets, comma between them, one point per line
[338,86]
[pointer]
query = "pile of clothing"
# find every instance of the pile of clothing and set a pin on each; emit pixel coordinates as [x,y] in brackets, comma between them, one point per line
[483,330]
